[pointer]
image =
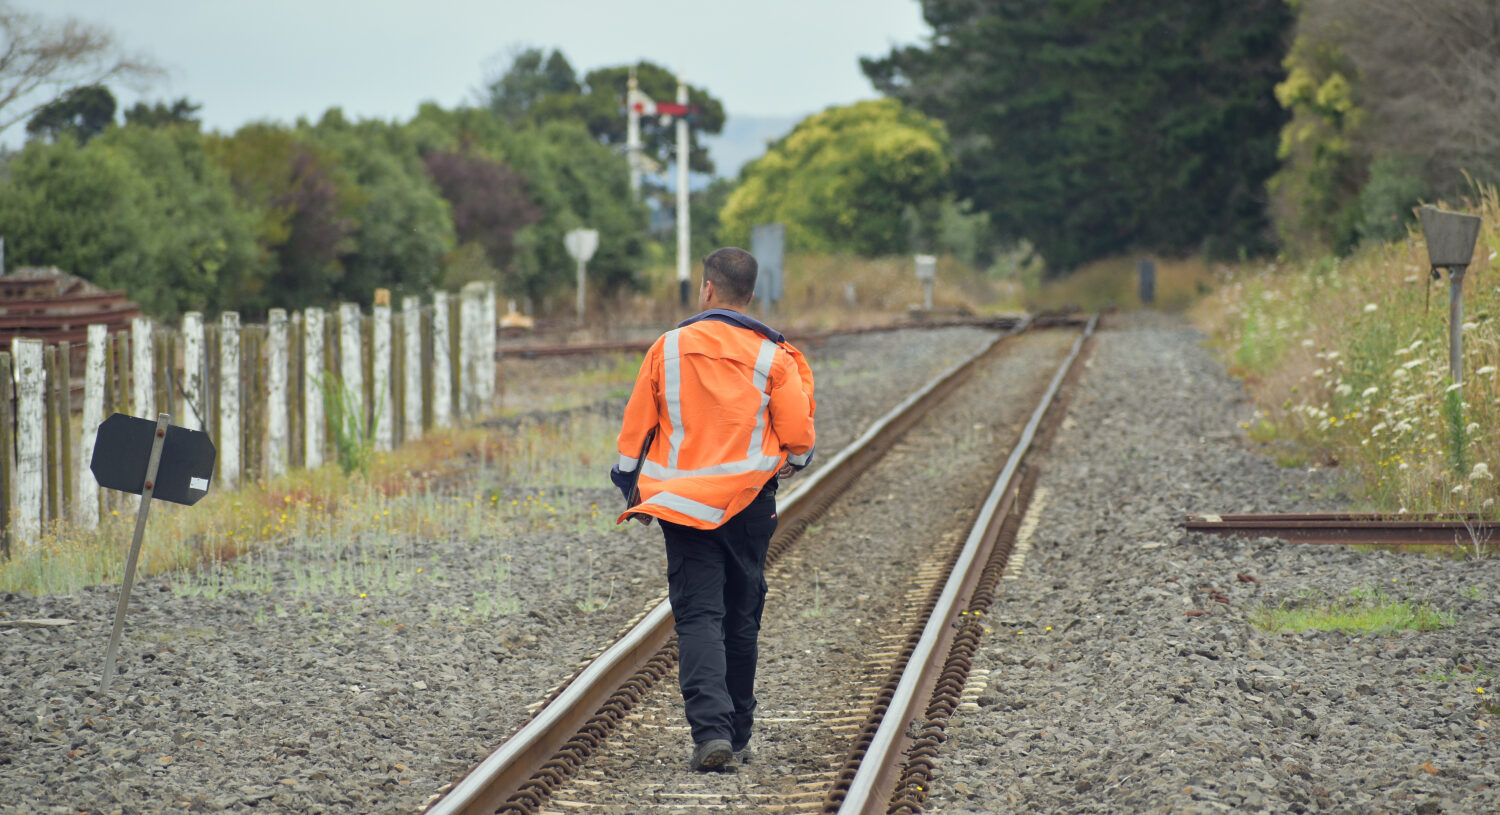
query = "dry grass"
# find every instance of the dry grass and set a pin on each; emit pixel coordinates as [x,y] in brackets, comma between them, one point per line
[1349,359]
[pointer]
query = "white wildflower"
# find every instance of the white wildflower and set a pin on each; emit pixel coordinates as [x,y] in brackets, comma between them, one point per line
[1343,390]
[1399,373]
[1318,373]
[1371,308]
[1470,326]
[1486,370]
[1472,428]
[1458,489]
[1375,431]
[1411,278]
[1404,466]
[1451,388]
[1481,471]
[1368,392]
[1307,343]
[1488,502]
[1412,364]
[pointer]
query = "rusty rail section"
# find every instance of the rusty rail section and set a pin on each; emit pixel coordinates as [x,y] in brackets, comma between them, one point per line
[1352,528]
[538,758]
[889,770]
[1004,322]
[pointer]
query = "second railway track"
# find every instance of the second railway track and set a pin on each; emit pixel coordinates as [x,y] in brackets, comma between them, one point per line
[845,609]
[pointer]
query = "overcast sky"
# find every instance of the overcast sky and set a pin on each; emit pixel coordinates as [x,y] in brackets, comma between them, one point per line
[280,59]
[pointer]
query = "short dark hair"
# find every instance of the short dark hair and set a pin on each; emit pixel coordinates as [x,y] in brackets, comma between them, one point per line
[733,272]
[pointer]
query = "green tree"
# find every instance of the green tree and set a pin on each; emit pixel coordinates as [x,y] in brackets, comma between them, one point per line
[142,210]
[533,76]
[843,179]
[303,220]
[161,114]
[571,179]
[1091,127]
[403,228]
[82,113]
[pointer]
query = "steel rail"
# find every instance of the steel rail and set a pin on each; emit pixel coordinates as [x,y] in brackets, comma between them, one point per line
[999,322]
[871,789]
[1352,529]
[534,748]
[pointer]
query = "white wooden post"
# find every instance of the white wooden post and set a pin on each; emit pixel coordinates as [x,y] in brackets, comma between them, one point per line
[470,318]
[142,375]
[193,389]
[442,373]
[380,372]
[352,370]
[276,408]
[411,319]
[230,429]
[312,388]
[31,379]
[491,345]
[87,512]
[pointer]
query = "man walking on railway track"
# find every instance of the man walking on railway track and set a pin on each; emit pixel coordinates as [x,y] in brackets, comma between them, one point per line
[722,409]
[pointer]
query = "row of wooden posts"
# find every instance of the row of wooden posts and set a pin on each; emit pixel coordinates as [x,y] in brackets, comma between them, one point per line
[258,390]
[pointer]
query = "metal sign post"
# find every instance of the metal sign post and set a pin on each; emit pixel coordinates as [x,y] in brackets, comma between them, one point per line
[768,245]
[1145,271]
[1450,245]
[581,245]
[178,466]
[927,273]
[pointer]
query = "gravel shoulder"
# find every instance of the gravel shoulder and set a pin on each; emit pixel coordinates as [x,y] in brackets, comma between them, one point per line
[1098,691]
[281,694]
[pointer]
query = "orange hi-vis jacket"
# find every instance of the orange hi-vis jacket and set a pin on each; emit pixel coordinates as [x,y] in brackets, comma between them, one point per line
[731,401]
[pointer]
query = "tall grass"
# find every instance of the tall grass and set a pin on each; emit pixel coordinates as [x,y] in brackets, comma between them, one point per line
[364,525]
[1350,358]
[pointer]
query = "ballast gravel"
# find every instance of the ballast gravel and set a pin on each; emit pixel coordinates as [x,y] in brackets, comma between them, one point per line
[281,698]
[1124,672]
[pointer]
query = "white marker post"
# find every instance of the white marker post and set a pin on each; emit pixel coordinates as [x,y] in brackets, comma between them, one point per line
[229,398]
[442,371]
[87,512]
[276,410]
[411,325]
[927,273]
[192,371]
[312,388]
[380,369]
[31,380]
[352,371]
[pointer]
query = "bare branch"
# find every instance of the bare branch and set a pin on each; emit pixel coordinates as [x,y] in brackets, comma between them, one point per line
[42,60]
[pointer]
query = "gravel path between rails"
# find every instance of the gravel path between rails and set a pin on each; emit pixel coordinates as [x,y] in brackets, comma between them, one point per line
[276,697]
[1103,695]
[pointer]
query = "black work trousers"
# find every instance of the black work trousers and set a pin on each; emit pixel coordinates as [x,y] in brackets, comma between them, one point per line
[716,582]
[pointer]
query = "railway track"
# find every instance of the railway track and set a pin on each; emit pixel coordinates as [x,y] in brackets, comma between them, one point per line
[861,736]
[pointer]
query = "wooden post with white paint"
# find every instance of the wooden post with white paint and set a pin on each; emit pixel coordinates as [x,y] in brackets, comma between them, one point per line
[87,512]
[490,348]
[380,370]
[30,441]
[411,324]
[352,371]
[312,389]
[442,371]
[142,377]
[230,428]
[276,402]
[193,389]
[470,317]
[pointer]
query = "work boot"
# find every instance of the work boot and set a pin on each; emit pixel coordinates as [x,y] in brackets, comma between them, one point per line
[711,755]
[742,755]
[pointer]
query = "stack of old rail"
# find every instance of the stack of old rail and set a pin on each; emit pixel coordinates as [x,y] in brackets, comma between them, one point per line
[575,721]
[49,305]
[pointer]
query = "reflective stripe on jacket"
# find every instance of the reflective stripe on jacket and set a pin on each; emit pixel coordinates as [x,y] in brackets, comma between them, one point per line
[730,401]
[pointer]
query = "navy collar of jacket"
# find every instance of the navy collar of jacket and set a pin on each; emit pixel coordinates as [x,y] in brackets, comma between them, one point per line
[724,315]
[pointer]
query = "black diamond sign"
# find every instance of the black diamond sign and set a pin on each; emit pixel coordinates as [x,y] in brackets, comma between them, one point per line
[122,450]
